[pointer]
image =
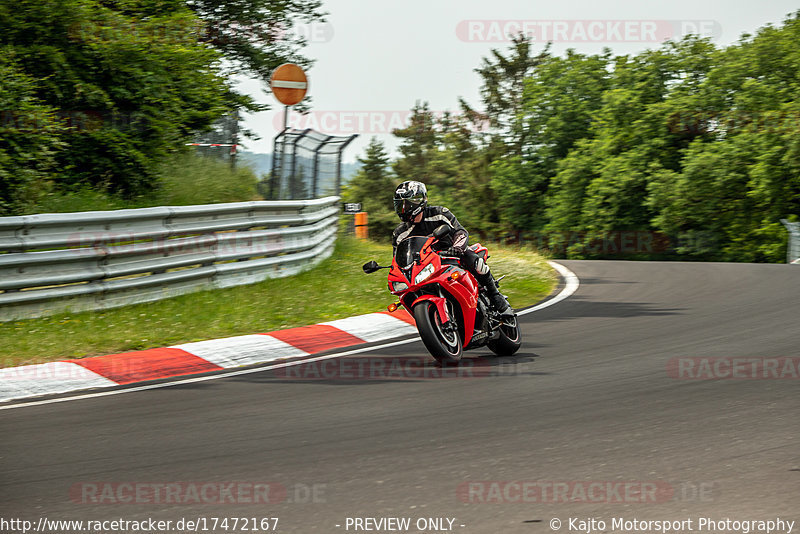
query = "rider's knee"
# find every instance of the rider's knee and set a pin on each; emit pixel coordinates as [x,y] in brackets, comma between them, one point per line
[481,267]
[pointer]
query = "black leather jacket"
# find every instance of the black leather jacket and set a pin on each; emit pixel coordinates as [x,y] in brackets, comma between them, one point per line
[433,217]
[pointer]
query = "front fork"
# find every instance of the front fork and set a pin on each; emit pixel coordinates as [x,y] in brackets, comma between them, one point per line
[443,309]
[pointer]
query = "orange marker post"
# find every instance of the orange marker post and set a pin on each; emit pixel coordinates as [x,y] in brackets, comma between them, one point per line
[361,225]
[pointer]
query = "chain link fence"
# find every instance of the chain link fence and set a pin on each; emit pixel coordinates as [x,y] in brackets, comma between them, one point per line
[306,164]
[220,140]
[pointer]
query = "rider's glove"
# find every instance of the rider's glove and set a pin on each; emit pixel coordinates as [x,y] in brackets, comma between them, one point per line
[460,239]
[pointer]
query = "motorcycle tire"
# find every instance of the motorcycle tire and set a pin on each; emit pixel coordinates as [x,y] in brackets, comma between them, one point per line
[444,347]
[509,341]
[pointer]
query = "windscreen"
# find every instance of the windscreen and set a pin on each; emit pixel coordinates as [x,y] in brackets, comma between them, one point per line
[408,249]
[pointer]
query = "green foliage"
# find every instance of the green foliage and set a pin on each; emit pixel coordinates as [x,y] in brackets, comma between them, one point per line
[373,187]
[559,100]
[688,141]
[256,35]
[459,174]
[129,97]
[191,179]
[568,187]
[419,143]
[115,88]
[29,139]
[502,92]
[520,188]
[185,179]
[739,175]
[560,97]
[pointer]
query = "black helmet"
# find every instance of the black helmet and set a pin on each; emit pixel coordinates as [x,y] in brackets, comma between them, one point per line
[410,198]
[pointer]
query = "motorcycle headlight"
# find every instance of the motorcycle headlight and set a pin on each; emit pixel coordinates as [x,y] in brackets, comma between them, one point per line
[399,286]
[424,274]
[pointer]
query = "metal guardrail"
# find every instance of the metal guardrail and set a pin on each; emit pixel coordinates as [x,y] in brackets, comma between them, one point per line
[793,250]
[51,263]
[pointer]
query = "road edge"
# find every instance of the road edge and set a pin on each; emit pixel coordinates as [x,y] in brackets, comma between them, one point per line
[297,345]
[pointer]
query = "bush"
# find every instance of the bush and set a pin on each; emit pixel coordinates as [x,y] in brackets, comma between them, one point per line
[192,179]
[186,179]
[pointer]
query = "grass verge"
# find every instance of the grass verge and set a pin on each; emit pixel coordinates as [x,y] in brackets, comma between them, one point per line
[186,178]
[335,289]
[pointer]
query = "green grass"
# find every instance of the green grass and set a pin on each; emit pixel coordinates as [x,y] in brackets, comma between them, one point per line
[185,179]
[191,179]
[335,289]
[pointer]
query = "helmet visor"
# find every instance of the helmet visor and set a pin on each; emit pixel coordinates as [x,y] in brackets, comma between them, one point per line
[404,206]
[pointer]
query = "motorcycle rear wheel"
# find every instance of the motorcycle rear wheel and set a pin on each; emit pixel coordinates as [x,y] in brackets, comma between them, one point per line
[444,346]
[509,341]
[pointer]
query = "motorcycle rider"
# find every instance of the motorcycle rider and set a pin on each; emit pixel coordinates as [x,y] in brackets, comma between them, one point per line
[420,219]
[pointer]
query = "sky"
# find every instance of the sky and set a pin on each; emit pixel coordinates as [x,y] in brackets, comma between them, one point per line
[375,59]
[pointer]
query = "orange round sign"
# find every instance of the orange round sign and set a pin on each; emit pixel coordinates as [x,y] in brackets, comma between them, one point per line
[289,84]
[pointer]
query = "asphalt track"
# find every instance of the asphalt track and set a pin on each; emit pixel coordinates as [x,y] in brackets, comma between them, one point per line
[589,399]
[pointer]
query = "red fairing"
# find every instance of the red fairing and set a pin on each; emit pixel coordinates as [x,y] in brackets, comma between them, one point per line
[463,289]
[441,306]
[449,307]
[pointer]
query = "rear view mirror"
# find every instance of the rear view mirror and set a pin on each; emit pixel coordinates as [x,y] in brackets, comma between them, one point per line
[371,266]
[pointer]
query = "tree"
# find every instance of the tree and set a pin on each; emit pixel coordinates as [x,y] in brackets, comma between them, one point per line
[460,174]
[29,139]
[373,187]
[502,90]
[741,171]
[129,83]
[602,183]
[256,36]
[419,143]
[560,99]
[690,140]
[132,80]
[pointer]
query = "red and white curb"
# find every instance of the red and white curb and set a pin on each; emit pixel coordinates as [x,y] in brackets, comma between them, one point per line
[200,357]
[219,354]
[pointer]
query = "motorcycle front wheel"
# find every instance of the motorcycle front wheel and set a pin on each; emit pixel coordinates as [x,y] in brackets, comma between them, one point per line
[443,345]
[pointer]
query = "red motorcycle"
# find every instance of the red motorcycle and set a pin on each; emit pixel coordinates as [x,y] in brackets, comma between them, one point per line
[451,311]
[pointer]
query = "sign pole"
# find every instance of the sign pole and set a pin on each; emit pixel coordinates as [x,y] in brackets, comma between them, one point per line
[235,139]
[289,85]
[283,146]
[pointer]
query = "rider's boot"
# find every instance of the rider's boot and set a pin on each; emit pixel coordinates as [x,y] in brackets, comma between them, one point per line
[499,302]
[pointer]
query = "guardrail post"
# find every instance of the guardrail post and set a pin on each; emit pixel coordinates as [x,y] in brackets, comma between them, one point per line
[793,250]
